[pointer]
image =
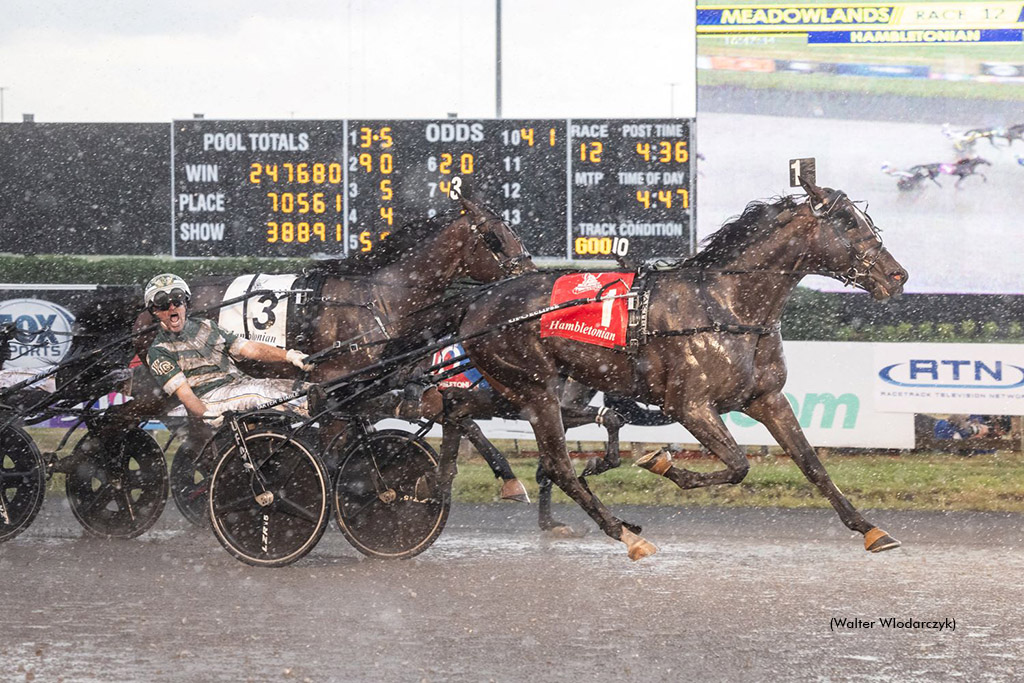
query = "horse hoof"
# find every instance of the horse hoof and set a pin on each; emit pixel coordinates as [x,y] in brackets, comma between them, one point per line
[513,489]
[637,547]
[592,467]
[563,531]
[657,461]
[876,541]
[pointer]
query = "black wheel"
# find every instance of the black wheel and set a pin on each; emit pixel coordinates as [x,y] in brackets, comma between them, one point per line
[387,499]
[22,482]
[117,487]
[289,522]
[190,480]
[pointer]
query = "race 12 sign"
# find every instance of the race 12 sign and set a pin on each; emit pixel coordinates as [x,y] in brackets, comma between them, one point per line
[572,188]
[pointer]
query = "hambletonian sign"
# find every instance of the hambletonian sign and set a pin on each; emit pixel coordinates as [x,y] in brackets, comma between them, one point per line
[870,23]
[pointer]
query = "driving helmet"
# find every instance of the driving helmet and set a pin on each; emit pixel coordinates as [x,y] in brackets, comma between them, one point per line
[165,288]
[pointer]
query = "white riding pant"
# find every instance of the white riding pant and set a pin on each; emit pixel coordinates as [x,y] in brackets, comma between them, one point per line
[247,394]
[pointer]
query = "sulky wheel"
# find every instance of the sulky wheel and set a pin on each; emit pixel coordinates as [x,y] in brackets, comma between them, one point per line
[272,513]
[117,486]
[190,480]
[386,497]
[22,481]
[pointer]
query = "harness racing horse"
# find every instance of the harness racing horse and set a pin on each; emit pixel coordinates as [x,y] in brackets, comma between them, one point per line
[710,343]
[913,177]
[391,297]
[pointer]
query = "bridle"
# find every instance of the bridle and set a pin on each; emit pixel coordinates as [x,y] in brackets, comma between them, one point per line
[509,265]
[864,260]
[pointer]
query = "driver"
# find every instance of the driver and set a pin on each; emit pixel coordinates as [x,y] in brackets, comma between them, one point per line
[192,359]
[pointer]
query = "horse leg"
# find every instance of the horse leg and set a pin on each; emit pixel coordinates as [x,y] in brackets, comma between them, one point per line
[611,421]
[546,418]
[450,440]
[511,488]
[775,413]
[707,426]
[545,519]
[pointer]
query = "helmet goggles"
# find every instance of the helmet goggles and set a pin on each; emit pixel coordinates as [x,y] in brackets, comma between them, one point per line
[162,301]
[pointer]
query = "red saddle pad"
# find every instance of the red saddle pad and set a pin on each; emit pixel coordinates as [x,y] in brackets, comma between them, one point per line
[601,322]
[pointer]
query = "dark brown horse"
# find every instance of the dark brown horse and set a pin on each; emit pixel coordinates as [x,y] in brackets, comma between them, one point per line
[361,307]
[710,344]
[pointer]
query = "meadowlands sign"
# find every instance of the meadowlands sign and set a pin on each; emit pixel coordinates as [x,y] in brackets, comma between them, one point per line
[949,378]
[830,387]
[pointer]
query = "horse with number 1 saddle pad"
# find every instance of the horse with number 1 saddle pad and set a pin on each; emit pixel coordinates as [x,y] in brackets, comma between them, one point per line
[707,341]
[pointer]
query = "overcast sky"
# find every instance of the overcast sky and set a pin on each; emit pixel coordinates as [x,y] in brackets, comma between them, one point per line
[158,60]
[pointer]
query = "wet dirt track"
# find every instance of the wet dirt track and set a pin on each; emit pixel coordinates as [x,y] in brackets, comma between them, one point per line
[738,595]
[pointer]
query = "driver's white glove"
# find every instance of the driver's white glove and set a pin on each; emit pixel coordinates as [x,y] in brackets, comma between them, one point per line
[213,419]
[298,359]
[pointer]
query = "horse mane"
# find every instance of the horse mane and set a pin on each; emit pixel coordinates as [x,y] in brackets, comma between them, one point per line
[399,243]
[740,232]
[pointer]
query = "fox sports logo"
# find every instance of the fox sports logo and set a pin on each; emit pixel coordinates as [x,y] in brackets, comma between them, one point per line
[42,332]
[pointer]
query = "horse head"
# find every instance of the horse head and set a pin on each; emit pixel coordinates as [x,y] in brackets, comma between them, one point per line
[849,246]
[491,250]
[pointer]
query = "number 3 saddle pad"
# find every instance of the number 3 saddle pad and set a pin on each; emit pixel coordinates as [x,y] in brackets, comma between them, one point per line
[599,322]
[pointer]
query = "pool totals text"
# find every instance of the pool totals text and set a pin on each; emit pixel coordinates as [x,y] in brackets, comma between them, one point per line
[573,189]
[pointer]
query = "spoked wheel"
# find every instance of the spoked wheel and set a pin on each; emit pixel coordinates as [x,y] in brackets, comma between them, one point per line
[190,480]
[272,513]
[117,487]
[22,482]
[387,498]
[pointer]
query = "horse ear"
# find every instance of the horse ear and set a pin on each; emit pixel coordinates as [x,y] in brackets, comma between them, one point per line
[812,190]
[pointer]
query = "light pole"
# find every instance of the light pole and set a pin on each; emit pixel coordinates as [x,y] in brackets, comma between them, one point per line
[2,88]
[672,99]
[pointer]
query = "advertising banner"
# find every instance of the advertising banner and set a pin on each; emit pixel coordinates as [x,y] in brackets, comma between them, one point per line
[949,378]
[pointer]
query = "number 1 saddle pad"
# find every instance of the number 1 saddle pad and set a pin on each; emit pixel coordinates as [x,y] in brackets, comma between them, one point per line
[599,322]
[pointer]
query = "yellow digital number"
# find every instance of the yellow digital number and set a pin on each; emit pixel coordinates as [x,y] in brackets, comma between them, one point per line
[644,150]
[366,161]
[387,164]
[682,154]
[387,213]
[271,170]
[302,173]
[591,151]
[445,167]
[334,174]
[385,137]
[644,197]
[527,134]
[686,197]
[669,152]
[255,170]
[364,241]
[466,162]
[272,232]
[665,197]
[365,137]
[319,205]
[386,193]
[320,230]
[551,137]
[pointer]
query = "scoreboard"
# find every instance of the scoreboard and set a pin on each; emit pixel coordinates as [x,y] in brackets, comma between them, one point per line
[572,188]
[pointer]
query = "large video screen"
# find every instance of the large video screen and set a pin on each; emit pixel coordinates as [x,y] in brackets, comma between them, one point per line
[914,108]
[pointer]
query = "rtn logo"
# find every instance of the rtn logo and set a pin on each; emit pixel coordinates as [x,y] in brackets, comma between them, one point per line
[953,374]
